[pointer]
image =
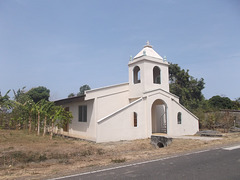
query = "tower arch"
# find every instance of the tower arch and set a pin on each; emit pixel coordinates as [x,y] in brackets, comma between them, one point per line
[136,75]
[156,75]
[159,112]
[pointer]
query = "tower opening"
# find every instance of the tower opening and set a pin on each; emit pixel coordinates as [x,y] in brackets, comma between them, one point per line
[156,75]
[136,75]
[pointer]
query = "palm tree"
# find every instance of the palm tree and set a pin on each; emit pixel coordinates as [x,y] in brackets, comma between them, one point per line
[5,105]
[39,109]
[47,106]
[4,101]
[30,106]
[59,117]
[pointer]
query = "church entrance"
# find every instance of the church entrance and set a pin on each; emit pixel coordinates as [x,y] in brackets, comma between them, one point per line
[159,117]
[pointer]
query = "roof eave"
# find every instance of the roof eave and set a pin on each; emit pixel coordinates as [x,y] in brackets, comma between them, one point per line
[70,100]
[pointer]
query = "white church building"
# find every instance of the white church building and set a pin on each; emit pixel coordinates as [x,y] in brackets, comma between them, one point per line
[134,110]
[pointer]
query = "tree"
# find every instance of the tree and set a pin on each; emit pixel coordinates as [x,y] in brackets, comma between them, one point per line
[20,95]
[71,95]
[238,100]
[186,87]
[23,108]
[5,105]
[38,110]
[5,102]
[42,108]
[59,117]
[39,93]
[236,103]
[23,112]
[30,106]
[82,89]
[218,102]
[47,106]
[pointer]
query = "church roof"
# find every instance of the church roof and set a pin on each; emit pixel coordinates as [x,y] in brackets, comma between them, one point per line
[148,51]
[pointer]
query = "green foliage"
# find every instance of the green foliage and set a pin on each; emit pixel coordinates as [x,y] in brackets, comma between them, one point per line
[186,87]
[71,95]
[31,110]
[83,89]
[39,93]
[218,102]
[5,102]
[5,108]
[20,95]
[59,116]
[81,92]
[236,103]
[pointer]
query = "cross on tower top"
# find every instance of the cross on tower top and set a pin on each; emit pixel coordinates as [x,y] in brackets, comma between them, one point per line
[148,44]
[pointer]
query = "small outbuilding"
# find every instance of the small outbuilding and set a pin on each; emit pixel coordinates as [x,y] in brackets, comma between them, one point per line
[134,110]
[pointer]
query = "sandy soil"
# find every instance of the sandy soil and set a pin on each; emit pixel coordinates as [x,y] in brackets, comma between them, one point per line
[24,156]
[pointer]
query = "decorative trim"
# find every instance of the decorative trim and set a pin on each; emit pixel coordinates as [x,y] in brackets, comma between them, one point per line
[148,58]
[163,91]
[106,87]
[159,93]
[112,114]
[119,92]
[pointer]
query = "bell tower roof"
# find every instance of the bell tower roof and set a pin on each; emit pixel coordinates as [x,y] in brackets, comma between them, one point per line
[148,51]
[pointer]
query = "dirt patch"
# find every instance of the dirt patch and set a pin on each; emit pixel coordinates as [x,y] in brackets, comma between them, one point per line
[27,156]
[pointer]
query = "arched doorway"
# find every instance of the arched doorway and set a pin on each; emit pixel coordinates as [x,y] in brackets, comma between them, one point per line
[159,116]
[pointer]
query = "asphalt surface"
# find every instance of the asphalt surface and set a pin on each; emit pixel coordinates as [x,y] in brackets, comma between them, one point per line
[219,164]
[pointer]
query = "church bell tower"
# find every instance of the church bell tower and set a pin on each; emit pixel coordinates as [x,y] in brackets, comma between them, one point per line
[147,71]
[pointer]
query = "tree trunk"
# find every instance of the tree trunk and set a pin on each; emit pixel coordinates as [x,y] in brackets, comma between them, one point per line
[30,124]
[45,124]
[38,128]
[51,131]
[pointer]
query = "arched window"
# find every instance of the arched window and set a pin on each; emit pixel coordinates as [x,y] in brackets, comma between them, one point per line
[136,75]
[135,119]
[179,118]
[156,75]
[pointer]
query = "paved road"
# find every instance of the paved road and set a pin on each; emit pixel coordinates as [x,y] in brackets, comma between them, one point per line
[219,164]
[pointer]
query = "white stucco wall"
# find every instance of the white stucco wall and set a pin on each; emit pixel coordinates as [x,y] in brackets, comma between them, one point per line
[151,98]
[109,99]
[113,102]
[148,75]
[146,65]
[189,125]
[136,90]
[85,130]
[120,125]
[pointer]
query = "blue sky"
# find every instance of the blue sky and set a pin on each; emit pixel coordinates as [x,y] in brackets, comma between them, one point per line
[63,44]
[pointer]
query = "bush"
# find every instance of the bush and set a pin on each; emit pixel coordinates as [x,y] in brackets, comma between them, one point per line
[119,160]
